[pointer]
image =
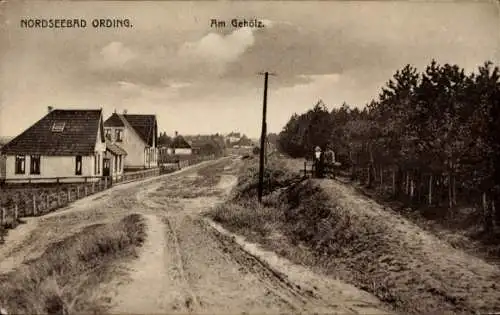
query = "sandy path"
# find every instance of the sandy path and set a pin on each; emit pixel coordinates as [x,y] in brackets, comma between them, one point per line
[191,265]
[29,240]
[321,293]
[145,274]
[187,265]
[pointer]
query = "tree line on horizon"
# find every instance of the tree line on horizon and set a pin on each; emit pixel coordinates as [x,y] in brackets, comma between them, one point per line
[431,136]
[207,144]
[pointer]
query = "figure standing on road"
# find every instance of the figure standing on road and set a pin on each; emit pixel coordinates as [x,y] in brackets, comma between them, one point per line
[319,161]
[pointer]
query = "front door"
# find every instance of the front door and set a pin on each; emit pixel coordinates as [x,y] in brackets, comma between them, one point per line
[105,167]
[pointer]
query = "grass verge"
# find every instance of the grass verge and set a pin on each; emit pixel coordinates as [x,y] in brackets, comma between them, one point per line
[66,278]
[325,225]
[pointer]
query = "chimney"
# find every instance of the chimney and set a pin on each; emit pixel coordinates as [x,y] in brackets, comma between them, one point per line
[115,111]
[176,133]
[49,108]
[124,112]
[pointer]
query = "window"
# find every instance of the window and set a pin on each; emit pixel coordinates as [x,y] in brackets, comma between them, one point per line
[121,161]
[58,126]
[119,135]
[78,165]
[95,163]
[20,163]
[108,133]
[116,164]
[35,164]
[98,164]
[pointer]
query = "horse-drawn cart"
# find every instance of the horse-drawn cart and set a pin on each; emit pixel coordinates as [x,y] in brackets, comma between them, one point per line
[329,170]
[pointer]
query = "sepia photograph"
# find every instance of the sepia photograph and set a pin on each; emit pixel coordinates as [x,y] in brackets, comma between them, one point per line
[249,157]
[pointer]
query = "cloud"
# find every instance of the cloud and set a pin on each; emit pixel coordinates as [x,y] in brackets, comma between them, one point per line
[178,85]
[114,55]
[321,78]
[219,49]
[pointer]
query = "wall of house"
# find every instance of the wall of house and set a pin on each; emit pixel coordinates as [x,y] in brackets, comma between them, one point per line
[100,149]
[183,151]
[136,149]
[3,160]
[99,146]
[131,143]
[51,166]
[178,151]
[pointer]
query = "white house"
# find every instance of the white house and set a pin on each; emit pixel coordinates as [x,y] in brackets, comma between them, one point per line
[137,135]
[63,146]
[180,146]
[233,137]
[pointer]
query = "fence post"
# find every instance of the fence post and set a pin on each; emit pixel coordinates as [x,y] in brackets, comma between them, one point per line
[69,195]
[16,212]
[34,204]
[2,218]
[86,190]
[48,201]
[58,198]
[77,192]
[105,182]
[93,187]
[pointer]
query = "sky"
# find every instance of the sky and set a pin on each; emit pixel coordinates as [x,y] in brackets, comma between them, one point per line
[200,79]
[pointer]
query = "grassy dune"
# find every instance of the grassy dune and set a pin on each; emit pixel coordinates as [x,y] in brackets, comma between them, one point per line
[327,226]
[66,278]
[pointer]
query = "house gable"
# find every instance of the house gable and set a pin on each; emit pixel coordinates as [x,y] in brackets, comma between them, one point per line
[146,127]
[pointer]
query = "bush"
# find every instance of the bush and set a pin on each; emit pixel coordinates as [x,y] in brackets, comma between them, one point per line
[64,279]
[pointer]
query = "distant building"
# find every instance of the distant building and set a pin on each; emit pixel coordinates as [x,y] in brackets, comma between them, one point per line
[233,137]
[65,145]
[137,135]
[180,146]
[207,146]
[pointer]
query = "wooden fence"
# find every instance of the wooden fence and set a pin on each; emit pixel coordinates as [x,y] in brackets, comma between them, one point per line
[39,203]
[36,202]
[133,176]
[329,170]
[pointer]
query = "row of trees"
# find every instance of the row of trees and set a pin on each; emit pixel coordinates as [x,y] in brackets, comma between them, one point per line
[431,136]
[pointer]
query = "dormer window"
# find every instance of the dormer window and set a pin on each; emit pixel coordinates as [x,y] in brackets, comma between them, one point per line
[119,135]
[58,126]
[108,134]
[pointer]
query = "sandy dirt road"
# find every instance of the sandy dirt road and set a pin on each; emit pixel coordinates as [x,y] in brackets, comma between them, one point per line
[191,265]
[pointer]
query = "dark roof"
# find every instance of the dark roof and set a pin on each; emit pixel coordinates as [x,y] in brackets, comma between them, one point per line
[144,125]
[180,143]
[114,121]
[78,136]
[115,149]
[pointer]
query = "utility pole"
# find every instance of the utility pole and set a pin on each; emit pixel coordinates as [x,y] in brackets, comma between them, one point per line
[263,139]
